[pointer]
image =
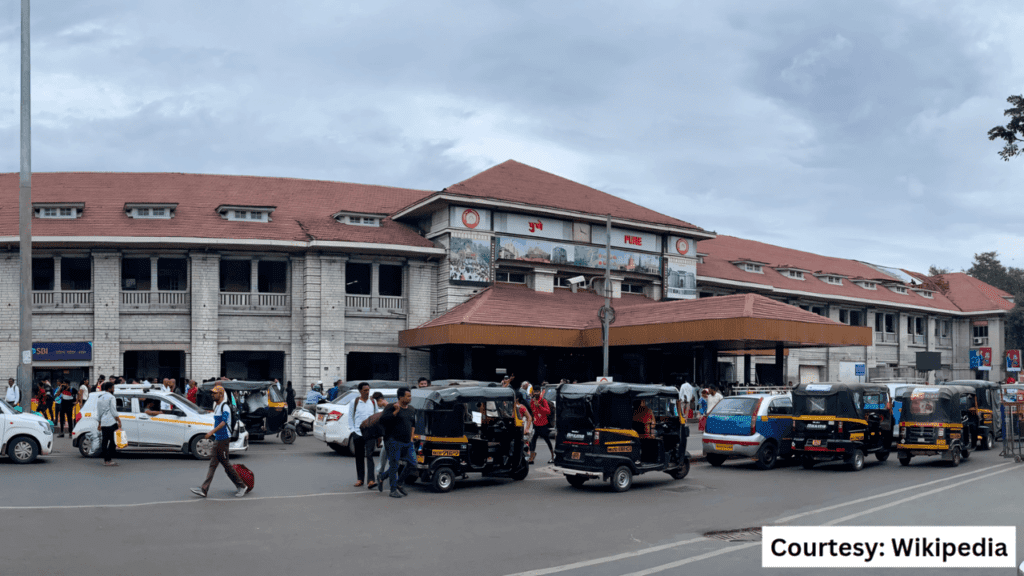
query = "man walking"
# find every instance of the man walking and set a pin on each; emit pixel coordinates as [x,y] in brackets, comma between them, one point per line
[222,435]
[13,394]
[109,422]
[362,408]
[399,421]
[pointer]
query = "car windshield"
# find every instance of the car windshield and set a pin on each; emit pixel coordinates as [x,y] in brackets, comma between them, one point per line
[735,406]
[180,400]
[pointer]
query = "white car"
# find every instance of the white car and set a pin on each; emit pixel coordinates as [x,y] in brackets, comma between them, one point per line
[23,437]
[331,424]
[178,429]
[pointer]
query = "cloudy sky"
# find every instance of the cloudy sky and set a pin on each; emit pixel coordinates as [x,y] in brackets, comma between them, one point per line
[850,129]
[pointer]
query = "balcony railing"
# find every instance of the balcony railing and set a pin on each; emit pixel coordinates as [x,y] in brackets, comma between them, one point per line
[885,337]
[62,299]
[375,303]
[159,300]
[265,302]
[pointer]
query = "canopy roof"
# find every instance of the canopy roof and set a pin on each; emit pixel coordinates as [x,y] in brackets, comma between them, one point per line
[512,315]
[830,388]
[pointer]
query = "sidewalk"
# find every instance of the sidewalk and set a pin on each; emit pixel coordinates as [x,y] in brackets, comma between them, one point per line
[695,443]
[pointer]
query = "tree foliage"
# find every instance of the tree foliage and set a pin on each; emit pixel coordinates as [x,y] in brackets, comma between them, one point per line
[1013,132]
[990,270]
[934,270]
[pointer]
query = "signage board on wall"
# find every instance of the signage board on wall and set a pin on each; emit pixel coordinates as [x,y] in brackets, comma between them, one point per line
[631,239]
[469,218]
[981,359]
[680,278]
[680,246]
[72,351]
[534,226]
[1013,360]
[469,259]
[542,251]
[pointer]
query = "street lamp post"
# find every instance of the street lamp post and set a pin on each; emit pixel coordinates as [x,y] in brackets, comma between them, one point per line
[25,219]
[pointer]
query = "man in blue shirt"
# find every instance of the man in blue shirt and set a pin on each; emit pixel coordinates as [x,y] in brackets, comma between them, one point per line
[222,435]
[333,392]
[315,396]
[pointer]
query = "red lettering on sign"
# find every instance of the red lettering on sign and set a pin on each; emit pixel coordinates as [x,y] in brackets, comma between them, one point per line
[538,225]
[634,240]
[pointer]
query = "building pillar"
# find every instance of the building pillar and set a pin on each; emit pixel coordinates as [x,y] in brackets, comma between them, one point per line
[153,274]
[332,322]
[205,314]
[467,362]
[746,369]
[254,277]
[106,344]
[374,283]
[780,371]
[295,365]
[311,320]
[56,276]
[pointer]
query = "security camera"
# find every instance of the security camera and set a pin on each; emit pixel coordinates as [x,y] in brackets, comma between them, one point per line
[577,280]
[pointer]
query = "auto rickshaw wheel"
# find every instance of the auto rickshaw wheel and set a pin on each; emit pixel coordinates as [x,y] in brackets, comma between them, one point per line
[856,461]
[443,480]
[767,456]
[715,459]
[680,473]
[622,479]
[288,436]
[904,460]
[807,462]
[882,455]
[989,443]
[954,459]
[965,453]
[576,480]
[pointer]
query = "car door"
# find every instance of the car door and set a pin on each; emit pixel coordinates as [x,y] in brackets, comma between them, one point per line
[127,411]
[780,422]
[165,430]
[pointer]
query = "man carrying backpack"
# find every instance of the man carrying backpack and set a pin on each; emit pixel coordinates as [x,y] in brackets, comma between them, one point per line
[362,409]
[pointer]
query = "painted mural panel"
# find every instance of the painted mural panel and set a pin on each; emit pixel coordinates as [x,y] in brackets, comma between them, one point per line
[680,278]
[469,259]
[542,251]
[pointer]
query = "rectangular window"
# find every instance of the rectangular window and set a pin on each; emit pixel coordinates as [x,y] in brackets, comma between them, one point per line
[633,288]
[357,278]
[389,280]
[980,331]
[135,274]
[705,295]
[143,212]
[272,276]
[819,310]
[236,275]
[159,212]
[919,326]
[885,323]
[241,214]
[66,212]
[42,274]
[49,213]
[856,318]
[172,274]
[75,274]
[510,277]
[562,282]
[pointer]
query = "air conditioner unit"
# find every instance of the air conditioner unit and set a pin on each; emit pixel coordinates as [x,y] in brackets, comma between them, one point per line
[979,341]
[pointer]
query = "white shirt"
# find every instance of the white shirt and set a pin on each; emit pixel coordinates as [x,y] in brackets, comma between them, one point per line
[686,392]
[13,395]
[713,400]
[85,392]
[359,412]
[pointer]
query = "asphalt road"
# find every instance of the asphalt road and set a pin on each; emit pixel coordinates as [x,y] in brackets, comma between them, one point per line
[305,516]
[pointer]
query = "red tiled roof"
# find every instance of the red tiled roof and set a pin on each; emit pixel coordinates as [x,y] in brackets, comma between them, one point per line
[512,181]
[304,208]
[972,295]
[725,249]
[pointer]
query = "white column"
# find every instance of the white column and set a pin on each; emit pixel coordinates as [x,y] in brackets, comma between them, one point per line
[152,273]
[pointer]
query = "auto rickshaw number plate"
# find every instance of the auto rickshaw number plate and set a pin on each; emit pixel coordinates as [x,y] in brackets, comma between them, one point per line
[726,447]
[420,459]
[575,455]
[815,442]
[444,452]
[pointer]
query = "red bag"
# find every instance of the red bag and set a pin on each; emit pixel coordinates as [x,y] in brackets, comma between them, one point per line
[246,475]
[78,416]
[703,423]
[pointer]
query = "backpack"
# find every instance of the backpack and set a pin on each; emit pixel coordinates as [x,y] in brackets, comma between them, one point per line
[371,427]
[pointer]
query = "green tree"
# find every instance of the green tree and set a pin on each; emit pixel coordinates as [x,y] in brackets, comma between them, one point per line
[934,270]
[1013,132]
[990,270]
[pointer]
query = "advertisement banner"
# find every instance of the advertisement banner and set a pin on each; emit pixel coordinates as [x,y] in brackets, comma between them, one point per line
[469,259]
[1013,360]
[530,250]
[680,278]
[627,239]
[43,351]
[469,218]
[981,359]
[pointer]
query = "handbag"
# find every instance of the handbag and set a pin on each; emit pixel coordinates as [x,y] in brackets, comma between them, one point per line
[120,439]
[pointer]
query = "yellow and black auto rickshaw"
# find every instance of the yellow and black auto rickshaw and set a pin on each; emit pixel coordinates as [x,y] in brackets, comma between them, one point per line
[259,405]
[988,410]
[615,431]
[836,421]
[938,420]
[464,429]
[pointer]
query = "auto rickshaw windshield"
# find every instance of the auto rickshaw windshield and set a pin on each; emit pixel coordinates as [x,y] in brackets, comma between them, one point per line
[575,414]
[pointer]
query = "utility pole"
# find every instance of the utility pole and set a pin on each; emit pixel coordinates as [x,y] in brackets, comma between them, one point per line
[607,314]
[25,218]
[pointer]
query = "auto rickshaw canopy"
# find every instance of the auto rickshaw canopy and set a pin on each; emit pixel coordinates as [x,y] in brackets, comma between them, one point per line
[933,403]
[985,401]
[577,391]
[844,400]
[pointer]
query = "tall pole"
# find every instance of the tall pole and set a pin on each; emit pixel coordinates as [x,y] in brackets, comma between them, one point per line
[606,319]
[25,219]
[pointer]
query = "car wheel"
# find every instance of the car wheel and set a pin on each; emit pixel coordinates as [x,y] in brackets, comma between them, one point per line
[201,448]
[443,479]
[23,449]
[85,445]
[522,473]
[715,459]
[680,473]
[807,462]
[622,479]
[288,436]
[576,480]
[882,455]
[856,462]
[767,456]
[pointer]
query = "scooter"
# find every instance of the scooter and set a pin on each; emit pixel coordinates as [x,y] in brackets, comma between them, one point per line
[303,420]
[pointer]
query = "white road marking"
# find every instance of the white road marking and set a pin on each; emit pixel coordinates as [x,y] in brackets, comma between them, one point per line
[606,559]
[189,501]
[884,494]
[914,497]
[698,558]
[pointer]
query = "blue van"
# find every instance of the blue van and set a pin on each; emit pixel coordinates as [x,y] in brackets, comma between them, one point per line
[758,426]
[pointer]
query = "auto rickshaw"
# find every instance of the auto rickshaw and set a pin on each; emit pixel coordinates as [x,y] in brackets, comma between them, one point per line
[259,406]
[835,421]
[939,420]
[463,429]
[988,409]
[615,431]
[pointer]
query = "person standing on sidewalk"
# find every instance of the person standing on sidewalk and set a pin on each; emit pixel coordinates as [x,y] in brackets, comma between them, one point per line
[109,422]
[362,408]
[67,408]
[222,435]
[13,396]
[399,421]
